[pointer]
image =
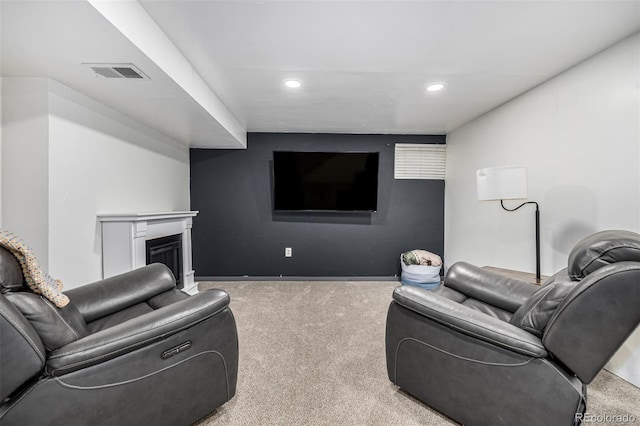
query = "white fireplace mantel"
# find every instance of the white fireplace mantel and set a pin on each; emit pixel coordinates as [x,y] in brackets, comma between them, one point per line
[124,239]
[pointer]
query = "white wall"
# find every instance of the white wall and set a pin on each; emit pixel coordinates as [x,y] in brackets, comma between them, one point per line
[579,137]
[0,152]
[102,162]
[97,161]
[25,168]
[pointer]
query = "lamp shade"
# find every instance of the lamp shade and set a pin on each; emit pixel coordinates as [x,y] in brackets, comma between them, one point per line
[502,183]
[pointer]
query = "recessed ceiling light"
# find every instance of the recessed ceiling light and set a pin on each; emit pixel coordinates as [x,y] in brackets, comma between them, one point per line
[436,87]
[292,84]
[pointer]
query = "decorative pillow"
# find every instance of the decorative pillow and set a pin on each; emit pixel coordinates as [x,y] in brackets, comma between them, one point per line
[601,249]
[534,314]
[55,326]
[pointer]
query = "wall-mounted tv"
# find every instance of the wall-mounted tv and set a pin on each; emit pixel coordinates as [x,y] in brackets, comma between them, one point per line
[325,181]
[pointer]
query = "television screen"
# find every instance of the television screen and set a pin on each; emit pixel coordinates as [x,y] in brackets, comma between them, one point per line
[325,181]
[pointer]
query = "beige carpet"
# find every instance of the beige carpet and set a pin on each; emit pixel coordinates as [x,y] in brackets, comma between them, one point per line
[312,353]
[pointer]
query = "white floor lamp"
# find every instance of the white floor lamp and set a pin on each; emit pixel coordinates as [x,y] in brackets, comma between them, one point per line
[508,183]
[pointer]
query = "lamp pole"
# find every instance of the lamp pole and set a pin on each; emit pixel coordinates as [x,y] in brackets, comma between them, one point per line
[537,232]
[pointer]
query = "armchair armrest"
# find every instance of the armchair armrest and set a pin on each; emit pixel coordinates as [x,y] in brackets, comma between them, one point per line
[468,321]
[489,287]
[138,332]
[113,294]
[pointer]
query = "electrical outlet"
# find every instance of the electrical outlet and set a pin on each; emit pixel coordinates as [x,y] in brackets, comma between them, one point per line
[287,252]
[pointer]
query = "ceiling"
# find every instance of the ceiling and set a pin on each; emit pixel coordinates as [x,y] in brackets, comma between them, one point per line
[216,67]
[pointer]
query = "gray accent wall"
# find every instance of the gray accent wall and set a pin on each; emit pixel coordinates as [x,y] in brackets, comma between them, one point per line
[237,233]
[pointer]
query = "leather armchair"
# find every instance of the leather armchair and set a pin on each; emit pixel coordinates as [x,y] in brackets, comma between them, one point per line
[127,350]
[486,349]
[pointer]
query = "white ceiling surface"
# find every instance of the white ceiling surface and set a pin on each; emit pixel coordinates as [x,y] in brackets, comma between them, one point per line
[54,38]
[363,64]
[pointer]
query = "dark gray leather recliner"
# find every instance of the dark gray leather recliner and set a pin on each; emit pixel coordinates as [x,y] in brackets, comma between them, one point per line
[127,350]
[488,350]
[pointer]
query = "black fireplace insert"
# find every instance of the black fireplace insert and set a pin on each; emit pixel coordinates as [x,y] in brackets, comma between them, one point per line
[167,250]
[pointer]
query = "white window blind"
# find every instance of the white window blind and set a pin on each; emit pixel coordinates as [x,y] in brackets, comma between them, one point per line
[420,161]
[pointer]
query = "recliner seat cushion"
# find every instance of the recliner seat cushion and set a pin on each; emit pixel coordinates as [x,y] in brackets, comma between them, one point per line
[535,312]
[474,304]
[119,317]
[167,298]
[163,299]
[601,249]
[485,308]
[450,294]
[55,326]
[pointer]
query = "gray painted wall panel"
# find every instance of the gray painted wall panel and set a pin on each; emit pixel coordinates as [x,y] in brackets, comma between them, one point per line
[236,232]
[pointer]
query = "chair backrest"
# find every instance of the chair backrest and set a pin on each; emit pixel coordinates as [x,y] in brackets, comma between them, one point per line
[595,319]
[586,311]
[602,249]
[590,254]
[55,326]
[22,353]
[601,311]
[32,326]
[534,314]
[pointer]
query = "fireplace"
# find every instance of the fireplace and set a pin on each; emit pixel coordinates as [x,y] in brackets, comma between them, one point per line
[167,250]
[132,240]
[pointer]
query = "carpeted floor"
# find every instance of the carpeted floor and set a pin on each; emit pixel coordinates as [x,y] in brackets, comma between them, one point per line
[312,353]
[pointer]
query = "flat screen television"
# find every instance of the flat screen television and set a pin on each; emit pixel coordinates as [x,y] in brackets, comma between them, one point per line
[325,181]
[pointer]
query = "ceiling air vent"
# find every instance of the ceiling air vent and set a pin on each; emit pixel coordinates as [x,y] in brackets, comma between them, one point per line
[118,71]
